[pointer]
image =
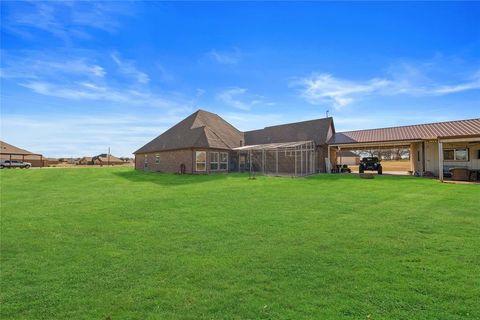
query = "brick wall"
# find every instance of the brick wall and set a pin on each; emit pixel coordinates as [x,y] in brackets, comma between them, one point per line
[169,161]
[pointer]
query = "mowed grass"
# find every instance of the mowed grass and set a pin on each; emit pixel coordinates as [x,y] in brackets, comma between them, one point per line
[114,243]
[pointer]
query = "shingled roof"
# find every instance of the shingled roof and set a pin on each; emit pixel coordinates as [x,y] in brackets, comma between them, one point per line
[201,129]
[6,148]
[428,131]
[316,130]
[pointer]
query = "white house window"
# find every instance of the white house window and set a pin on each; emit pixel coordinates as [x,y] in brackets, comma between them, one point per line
[146,159]
[214,160]
[157,158]
[200,160]
[223,160]
[460,154]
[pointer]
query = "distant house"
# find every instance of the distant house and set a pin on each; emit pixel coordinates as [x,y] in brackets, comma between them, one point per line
[106,159]
[85,161]
[10,152]
[69,160]
[101,160]
[53,161]
[348,158]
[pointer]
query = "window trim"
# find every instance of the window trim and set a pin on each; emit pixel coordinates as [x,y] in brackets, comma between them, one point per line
[222,162]
[200,162]
[157,158]
[455,155]
[145,159]
[214,162]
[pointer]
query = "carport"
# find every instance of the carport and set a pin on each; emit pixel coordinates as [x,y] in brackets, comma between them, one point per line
[10,152]
[335,151]
[435,148]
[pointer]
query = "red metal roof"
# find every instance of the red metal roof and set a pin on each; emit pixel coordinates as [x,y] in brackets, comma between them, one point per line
[428,131]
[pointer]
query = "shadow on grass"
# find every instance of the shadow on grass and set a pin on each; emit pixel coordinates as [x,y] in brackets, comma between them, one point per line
[355,176]
[168,179]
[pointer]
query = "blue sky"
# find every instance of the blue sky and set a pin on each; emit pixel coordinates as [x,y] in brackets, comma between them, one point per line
[79,77]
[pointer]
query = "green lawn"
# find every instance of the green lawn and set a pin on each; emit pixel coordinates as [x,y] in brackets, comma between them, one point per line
[112,243]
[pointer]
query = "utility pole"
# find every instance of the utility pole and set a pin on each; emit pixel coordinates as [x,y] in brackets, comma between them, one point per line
[108,157]
[326,113]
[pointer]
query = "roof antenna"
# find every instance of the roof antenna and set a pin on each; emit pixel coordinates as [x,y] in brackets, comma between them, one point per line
[326,113]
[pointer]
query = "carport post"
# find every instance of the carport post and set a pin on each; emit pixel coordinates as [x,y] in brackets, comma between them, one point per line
[340,153]
[440,161]
[412,157]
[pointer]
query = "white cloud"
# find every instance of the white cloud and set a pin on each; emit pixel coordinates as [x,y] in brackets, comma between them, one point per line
[239,99]
[475,84]
[327,89]
[65,19]
[38,66]
[226,57]
[90,91]
[82,78]
[127,67]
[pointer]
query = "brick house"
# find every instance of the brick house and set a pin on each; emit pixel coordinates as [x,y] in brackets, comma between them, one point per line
[205,143]
[201,143]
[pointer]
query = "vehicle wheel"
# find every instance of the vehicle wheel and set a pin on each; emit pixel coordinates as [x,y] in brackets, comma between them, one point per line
[27,167]
[1,167]
[380,170]
[360,169]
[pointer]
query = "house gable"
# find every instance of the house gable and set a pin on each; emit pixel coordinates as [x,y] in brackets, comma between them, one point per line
[201,129]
